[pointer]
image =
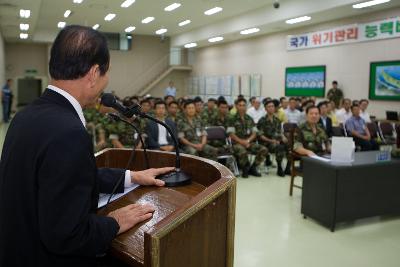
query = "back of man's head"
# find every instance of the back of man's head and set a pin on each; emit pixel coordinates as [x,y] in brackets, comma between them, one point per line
[75,51]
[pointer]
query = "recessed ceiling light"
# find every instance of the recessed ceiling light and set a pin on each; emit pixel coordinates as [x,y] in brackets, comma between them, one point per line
[161,31]
[212,11]
[147,20]
[24,27]
[298,20]
[190,45]
[23,36]
[172,7]
[370,3]
[127,3]
[109,17]
[216,39]
[183,23]
[24,13]
[130,29]
[77,1]
[250,31]
[61,24]
[96,26]
[67,13]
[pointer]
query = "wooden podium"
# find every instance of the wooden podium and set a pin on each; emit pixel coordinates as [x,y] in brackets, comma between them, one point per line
[193,225]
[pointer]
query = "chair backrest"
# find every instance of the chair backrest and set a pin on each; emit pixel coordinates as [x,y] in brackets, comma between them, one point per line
[288,126]
[216,133]
[386,128]
[373,129]
[338,131]
[346,133]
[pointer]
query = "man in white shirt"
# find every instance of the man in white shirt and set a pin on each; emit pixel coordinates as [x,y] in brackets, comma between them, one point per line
[256,112]
[292,113]
[363,110]
[344,113]
[170,90]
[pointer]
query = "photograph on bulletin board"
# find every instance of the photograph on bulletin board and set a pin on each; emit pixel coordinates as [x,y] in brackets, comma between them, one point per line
[384,80]
[305,81]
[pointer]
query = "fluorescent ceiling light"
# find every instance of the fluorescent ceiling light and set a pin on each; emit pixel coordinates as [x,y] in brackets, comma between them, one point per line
[109,17]
[24,27]
[147,20]
[250,31]
[127,3]
[190,45]
[77,1]
[96,26]
[23,36]
[129,36]
[183,23]
[370,3]
[67,13]
[24,13]
[161,31]
[130,29]
[216,39]
[212,11]
[298,20]
[172,7]
[61,24]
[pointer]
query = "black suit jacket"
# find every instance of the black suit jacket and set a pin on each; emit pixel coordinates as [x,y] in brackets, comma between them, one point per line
[152,133]
[328,128]
[49,186]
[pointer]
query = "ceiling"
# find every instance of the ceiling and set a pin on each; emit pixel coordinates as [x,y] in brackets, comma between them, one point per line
[236,15]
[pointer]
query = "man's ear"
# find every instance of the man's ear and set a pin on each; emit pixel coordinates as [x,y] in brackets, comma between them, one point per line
[93,75]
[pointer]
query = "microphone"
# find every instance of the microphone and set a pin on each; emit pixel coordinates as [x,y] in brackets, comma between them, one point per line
[174,178]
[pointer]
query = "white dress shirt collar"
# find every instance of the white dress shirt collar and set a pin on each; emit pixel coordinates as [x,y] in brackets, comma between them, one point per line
[72,100]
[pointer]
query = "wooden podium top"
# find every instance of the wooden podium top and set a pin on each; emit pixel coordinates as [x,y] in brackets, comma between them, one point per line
[177,208]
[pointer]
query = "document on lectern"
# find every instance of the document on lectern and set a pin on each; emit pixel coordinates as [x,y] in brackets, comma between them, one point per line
[343,149]
[103,198]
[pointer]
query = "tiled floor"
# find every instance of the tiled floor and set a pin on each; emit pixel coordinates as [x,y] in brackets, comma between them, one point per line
[270,231]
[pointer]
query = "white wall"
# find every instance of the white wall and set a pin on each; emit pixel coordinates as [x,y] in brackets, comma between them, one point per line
[349,64]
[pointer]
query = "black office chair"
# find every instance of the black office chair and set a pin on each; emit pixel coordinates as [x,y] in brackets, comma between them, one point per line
[388,132]
[218,133]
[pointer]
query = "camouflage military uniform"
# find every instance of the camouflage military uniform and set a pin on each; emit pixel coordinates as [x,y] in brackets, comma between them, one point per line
[95,127]
[335,96]
[193,133]
[122,132]
[208,116]
[244,129]
[304,137]
[273,130]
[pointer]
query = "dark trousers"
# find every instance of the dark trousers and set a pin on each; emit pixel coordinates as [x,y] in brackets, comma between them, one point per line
[366,145]
[6,110]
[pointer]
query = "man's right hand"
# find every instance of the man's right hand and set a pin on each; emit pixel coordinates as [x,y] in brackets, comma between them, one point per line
[128,216]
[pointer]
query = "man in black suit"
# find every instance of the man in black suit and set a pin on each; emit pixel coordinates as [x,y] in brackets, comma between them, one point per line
[157,136]
[49,182]
[325,122]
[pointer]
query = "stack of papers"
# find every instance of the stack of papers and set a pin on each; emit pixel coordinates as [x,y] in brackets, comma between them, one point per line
[103,198]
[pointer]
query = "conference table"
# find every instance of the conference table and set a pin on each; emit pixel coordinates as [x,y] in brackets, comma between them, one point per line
[366,187]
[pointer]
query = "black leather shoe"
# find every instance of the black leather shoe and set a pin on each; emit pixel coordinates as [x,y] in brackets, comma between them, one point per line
[245,171]
[253,171]
[280,172]
[287,169]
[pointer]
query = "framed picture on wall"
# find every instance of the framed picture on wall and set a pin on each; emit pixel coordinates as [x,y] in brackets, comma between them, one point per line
[305,81]
[384,80]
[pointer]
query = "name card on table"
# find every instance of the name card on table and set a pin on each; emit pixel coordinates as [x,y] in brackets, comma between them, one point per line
[343,149]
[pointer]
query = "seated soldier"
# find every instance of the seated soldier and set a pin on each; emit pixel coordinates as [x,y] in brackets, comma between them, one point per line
[221,119]
[355,125]
[192,135]
[209,112]
[157,136]
[199,105]
[243,132]
[310,139]
[173,109]
[271,136]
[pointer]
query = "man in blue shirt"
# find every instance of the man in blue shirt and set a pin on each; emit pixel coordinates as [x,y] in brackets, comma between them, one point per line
[357,128]
[6,96]
[170,90]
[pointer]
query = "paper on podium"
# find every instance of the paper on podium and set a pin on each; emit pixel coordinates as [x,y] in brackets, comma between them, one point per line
[103,198]
[321,158]
[342,149]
